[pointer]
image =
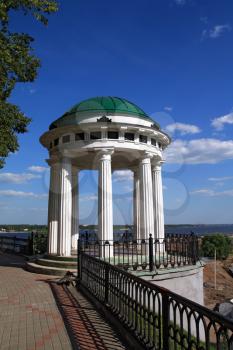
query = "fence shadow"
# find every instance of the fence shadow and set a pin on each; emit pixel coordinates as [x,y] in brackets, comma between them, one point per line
[86,328]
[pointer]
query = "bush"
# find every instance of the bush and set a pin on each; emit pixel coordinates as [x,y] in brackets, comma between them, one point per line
[220,242]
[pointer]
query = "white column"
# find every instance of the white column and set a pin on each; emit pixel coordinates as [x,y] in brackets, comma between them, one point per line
[105,229]
[158,199]
[146,198]
[65,208]
[53,208]
[75,209]
[136,204]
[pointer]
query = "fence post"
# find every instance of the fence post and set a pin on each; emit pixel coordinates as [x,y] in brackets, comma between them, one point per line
[165,320]
[14,243]
[151,258]
[79,272]
[106,283]
[193,248]
[31,244]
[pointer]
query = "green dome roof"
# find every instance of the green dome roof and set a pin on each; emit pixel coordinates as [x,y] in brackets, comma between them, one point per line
[105,105]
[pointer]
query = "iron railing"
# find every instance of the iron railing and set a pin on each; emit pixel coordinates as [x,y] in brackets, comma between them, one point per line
[158,318]
[146,254]
[35,243]
[14,244]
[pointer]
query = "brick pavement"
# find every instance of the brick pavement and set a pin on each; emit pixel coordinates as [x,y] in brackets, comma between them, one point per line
[30,318]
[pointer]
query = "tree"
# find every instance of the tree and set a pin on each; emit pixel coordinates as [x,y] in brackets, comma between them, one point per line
[220,242]
[17,64]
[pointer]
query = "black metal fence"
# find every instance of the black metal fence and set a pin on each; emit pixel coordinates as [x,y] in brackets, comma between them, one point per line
[158,318]
[146,254]
[15,244]
[35,243]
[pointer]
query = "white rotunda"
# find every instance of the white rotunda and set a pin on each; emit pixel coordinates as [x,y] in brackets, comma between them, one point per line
[105,134]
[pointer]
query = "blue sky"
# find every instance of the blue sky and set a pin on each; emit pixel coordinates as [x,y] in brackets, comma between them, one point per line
[171,57]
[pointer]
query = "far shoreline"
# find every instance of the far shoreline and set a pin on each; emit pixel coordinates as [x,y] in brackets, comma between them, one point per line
[199,229]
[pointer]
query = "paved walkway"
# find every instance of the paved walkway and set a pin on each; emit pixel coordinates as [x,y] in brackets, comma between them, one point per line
[30,318]
[88,328]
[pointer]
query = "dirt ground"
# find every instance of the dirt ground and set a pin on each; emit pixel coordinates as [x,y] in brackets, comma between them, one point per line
[224,282]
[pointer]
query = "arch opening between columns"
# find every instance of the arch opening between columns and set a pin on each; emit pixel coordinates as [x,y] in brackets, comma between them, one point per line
[122,202]
[146,211]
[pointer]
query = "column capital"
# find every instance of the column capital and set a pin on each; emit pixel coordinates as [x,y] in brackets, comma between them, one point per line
[65,159]
[156,164]
[59,158]
[104,153]
[65,153]
[52,162]
[146,158]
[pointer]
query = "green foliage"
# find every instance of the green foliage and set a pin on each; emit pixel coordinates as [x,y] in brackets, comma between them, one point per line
[38,8]
[220,242]
[17,64]
[39,243]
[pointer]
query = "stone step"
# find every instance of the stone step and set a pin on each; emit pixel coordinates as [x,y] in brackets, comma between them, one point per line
[47,270]
[61,258]
[57,263]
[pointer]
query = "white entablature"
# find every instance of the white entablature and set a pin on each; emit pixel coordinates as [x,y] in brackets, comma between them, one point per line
[106,134]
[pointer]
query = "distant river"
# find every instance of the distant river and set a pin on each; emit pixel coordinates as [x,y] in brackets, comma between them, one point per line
[15,234]
[182,229]
[200,229]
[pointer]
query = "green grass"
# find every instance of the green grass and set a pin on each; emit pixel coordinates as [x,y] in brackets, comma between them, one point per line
[142,324]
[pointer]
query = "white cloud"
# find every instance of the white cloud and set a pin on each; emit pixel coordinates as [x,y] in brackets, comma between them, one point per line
[213,193]
[168,108]
[17,178]
[199,151]
[219,123]
[12,193]
[216,31]
[203,191]
[38,209]
[220,179]
[88,197]
[123,199]
[128,188]
[122,175]
[183,128]
[224,193]
[37,169]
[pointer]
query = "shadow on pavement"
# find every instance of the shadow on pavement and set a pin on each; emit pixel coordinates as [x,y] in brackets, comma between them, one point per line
[86,328]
